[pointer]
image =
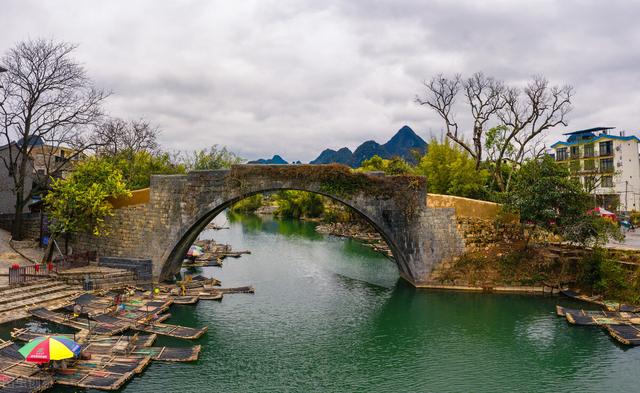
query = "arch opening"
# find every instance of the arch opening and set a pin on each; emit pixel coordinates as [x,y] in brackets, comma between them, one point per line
[189,234]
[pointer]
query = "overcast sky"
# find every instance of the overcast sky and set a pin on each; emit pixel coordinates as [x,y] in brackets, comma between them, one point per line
[295,77]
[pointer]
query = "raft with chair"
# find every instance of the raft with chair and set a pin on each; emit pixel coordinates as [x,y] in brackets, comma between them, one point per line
[18,376]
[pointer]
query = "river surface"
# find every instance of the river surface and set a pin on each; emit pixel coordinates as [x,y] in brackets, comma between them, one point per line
[330,315]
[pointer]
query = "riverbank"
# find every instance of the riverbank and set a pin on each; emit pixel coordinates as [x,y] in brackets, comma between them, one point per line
[358,231]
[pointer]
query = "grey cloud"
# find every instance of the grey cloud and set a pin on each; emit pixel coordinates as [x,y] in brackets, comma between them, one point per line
[294,77]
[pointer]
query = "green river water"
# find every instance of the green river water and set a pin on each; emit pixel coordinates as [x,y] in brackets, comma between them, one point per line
[330,315]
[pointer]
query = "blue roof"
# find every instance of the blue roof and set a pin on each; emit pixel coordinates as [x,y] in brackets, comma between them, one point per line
[597,138]
[588,130]
[33,140]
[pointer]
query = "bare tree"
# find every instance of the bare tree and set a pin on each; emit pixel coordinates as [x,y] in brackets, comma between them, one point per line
[524,116]
[483,95]
[116,135]
[46,98]
[529,113]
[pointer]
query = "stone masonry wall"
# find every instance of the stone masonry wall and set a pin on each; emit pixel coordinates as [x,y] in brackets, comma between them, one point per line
[30,224]
[481,233]
[126,238]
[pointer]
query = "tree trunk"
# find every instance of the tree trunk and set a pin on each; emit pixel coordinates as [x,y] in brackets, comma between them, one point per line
[16,228]
[21,202]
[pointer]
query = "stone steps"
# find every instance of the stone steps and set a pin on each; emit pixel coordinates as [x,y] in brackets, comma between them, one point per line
[35,292]
[38,300]
[27,287]
[52,303]
[101,279]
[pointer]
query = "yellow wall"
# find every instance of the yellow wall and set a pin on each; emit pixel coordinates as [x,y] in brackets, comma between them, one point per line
[465,207]
[137,197]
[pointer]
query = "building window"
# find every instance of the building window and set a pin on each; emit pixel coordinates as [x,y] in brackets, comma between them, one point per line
[606,148]
[589,165]
[606,181]
[561,154]
[606,165]
[574,166]
[588,150]
[589,183]
[575,152]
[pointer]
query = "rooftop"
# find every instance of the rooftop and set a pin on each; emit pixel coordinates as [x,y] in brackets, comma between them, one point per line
[589,130]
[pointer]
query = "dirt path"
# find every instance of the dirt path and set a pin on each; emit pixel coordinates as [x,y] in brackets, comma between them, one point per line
[9,256]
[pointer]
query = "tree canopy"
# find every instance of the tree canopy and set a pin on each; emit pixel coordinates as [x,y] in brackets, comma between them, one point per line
[451,170]
[393,166]
[212,158]
[80,202]
[137,167]
[545,196]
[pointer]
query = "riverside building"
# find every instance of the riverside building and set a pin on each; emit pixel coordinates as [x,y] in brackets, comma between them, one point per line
[607,163]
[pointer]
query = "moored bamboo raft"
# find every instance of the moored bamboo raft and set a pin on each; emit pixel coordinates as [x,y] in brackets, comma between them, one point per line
[169,354]
[210,295]
[78,323]
[24,334]
[169,330]
[202,263]
[247,289]
[625,334]
[18,376]
[102,372]
[578,296]
[185,299]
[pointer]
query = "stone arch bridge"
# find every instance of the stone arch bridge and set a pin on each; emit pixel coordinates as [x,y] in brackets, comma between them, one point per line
[179,207]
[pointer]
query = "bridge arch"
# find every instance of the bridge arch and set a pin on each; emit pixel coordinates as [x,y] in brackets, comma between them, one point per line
[181,206]
[178,249]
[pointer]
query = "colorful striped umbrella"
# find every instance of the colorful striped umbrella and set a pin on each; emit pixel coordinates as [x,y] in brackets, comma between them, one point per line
[195,251]
[46,348]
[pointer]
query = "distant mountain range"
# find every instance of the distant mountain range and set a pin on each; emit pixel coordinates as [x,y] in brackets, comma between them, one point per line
[403,144]
[273,160]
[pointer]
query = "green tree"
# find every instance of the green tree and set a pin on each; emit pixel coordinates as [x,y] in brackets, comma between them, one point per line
[545,196]
[137,167]
[393,166]
[80,203]
[297,204]
[248,205]
[451,170]
[212,158]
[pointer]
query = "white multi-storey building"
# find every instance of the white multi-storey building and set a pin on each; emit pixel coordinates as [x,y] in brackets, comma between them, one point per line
[607,165]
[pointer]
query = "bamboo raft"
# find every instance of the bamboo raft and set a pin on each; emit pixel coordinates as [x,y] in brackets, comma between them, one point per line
[185,299]
[77,323]
[133,348]
[625,334]
[102,372]
[176,331]
[247,289]
[202,263]
[137,345]
[606,304]
[624,327]
[18,376]
[210,296]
